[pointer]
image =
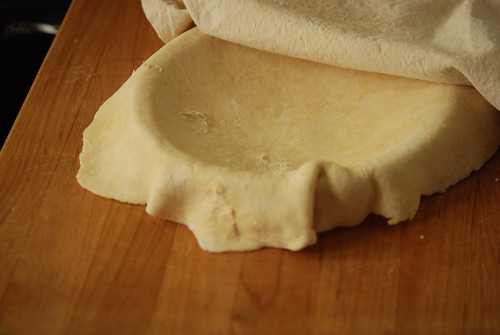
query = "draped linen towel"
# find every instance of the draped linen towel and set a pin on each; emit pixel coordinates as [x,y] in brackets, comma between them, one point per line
[456,42]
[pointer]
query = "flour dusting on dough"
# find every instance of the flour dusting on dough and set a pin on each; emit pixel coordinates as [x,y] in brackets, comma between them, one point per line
[271,164]
[153,67]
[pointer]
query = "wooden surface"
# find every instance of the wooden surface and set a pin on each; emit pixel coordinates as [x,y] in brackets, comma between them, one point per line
[74,263]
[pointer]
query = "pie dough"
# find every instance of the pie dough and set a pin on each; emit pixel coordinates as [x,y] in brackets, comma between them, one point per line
[251,149]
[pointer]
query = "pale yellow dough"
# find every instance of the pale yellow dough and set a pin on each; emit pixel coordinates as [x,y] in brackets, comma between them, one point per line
[251,149]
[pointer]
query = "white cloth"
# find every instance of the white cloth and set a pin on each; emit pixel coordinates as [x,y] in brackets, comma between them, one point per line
[449,41]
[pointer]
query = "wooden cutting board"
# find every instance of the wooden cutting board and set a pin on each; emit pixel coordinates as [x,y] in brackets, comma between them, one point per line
[75,263]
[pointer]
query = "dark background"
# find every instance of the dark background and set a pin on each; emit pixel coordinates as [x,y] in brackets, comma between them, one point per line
[28,29]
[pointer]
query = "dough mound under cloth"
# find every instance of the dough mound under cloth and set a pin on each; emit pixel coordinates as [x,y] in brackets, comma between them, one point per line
[252,149]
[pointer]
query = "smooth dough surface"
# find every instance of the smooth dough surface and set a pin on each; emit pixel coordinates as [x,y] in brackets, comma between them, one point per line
[251,149]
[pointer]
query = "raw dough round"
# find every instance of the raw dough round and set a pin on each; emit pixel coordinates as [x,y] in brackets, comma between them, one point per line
[253,149]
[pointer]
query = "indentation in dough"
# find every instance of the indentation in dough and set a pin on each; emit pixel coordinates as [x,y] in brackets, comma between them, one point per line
[199,118]
[223,211]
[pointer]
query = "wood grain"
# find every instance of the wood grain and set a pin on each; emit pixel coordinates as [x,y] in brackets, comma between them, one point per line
[74,263]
